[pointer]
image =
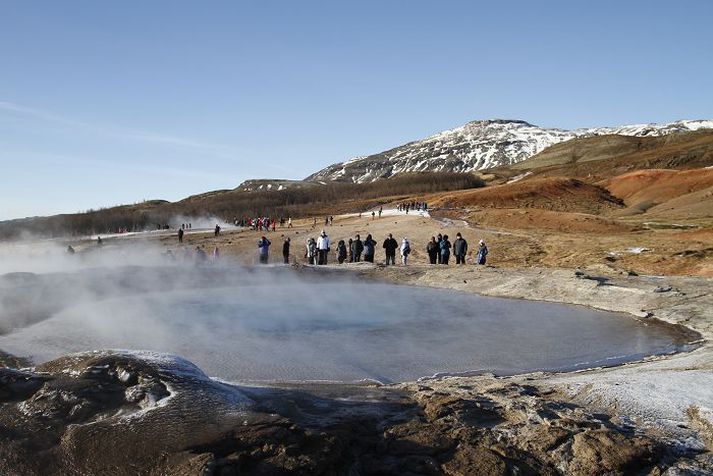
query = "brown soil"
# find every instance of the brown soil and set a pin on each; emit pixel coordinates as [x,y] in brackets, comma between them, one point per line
[559,194]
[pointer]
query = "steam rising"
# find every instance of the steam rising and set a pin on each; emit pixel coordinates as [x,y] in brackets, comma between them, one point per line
[271,323]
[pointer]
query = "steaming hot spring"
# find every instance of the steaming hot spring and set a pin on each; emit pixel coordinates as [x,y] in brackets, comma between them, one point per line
[272,324]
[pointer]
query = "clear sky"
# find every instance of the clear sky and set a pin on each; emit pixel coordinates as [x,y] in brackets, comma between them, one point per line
[104,103]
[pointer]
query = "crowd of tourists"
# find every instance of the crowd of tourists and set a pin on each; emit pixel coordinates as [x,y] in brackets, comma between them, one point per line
[415,206]
[356,249]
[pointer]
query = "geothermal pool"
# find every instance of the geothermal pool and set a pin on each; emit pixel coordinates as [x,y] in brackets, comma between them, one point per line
[267,326]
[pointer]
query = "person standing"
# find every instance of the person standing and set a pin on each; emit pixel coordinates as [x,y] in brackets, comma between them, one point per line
[390,245]
[432,250]
[405,250]
[358,248]
[180,235]
[350,250]
[323,247]
[369,248]
[217,230]
[289,222]
[445,249]
[286,250]
[439,238]
[341,252]
[482,252]
[311,253]
[263,249]
[460,248]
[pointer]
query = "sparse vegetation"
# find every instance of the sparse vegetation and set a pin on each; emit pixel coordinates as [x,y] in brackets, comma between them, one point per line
[227,205]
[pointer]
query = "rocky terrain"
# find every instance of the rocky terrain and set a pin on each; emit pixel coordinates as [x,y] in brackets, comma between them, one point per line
[480,145]
[109,412]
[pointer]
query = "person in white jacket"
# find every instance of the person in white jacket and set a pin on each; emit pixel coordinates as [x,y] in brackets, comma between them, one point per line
[323,247]
[405,250]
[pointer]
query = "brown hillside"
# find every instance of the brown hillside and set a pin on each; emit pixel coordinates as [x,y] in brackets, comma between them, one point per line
[554,193]
[666,193]
[603,157]
[658,185]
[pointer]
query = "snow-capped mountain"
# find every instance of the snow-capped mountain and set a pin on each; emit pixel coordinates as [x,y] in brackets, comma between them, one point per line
[479,145]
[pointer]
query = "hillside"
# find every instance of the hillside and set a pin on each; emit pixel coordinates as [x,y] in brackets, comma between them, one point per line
[602,157]
[559,194]
[480,145]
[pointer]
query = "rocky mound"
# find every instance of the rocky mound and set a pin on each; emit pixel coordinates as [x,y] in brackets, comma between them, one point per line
[555,193]
[121,413]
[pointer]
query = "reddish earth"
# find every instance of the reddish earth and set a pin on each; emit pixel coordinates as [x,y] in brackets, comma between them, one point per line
[560,194]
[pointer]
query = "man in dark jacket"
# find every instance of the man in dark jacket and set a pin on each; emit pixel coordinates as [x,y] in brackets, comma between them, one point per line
[390,245]
[286,250]
[357,248]
[439,238]
[460,248]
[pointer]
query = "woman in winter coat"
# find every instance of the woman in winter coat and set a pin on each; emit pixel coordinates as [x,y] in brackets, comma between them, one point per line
[341,252]
[369,248]
[432,250]
[311,251]
[350,250]
[482,252]
[445,249]
[405,250]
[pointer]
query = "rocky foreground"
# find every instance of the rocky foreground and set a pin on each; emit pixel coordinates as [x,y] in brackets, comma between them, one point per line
[139,413]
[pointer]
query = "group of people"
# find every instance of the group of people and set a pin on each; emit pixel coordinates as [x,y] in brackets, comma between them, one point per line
[354,250]
[262,223]
[439,250]
[417,206]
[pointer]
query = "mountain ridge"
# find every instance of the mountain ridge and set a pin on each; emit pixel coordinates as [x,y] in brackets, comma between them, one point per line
[478,145]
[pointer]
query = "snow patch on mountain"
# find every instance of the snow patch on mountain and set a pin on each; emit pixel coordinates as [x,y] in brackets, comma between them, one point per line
[480,145]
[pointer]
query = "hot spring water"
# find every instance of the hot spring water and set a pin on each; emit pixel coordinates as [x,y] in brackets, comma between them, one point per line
[275,325]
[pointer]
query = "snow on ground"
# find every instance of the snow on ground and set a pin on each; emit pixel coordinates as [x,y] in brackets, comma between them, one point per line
[388,212]
[661,392]
[519,177]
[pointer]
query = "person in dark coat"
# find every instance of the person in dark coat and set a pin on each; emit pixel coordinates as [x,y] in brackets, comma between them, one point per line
[369,249]
[390,245]
[341,252]
[432,250]
[358,248]
[286,250]
[460,248]
[439,238]
[350,250]
[180,235]
[445,249]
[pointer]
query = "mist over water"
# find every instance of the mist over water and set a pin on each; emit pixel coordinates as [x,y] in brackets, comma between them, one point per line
[264,324]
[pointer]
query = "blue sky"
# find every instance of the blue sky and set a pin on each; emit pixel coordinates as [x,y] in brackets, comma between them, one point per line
[103,103]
